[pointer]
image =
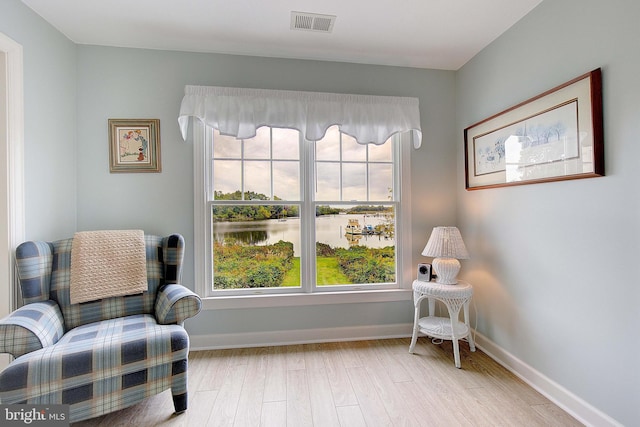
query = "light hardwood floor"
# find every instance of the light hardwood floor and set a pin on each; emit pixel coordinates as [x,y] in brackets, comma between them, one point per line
[349,384]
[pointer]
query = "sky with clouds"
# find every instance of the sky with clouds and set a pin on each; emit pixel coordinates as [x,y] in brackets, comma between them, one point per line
[286,170]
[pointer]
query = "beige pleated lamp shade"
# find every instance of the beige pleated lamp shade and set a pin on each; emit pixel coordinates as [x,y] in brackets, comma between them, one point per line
[446,242]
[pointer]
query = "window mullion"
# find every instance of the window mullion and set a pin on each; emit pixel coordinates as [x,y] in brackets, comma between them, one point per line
[366,173]
[271,189]
[242,169]
[307,257]
[341,169]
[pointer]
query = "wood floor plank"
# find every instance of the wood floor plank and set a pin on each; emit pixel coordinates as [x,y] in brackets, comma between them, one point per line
[554,416]
[351,416]
[313,359]
[275,387]
[516,413]
[323,408]
[249,410]
[397,408]
[371,404]
[196,371]
[201,400]
[274,414]
[224,408]
[241,356]
[350,353]
[498,378]
[437,382]
[154,411]
[298,400]
[215,370]
[295,357]
[341,388]
[388,359]
[424,408]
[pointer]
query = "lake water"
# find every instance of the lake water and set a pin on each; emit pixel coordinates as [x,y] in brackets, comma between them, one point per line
[330,229]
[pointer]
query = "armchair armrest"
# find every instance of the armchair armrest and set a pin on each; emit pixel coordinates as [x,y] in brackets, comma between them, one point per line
[175,303]
[31,327]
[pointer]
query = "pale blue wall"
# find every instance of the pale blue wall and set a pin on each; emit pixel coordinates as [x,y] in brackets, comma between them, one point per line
[49,121]
[555,266]
[132,83]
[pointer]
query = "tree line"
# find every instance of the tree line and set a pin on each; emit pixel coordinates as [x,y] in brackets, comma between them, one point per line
[275,211]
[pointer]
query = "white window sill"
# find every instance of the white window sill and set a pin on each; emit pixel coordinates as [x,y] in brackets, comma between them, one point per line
[320,298]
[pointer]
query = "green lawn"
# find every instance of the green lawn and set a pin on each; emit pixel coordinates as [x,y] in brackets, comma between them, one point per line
[292,278]
[328,273]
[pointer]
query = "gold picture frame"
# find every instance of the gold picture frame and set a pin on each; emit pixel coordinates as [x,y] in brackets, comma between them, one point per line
[134,145]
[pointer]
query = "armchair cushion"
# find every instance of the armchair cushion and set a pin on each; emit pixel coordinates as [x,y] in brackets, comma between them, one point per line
[175,303]
[30,328]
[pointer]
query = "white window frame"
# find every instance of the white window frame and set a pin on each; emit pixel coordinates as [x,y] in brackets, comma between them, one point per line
[331,295]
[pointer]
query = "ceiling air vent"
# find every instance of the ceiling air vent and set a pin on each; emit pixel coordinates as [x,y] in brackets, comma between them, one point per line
[312,22]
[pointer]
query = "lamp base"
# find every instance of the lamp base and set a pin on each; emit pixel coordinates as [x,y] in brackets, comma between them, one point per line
[447,270]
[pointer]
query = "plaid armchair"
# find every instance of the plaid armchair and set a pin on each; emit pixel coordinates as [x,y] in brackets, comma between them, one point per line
[98,356]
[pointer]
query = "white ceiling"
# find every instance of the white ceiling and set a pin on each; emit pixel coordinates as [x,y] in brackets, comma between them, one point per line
[441,34]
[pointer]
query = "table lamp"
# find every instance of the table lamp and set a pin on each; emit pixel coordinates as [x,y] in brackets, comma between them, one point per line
[446,246]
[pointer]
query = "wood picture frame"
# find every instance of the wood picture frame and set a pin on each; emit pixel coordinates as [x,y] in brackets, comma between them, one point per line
[134,145]
[557,135]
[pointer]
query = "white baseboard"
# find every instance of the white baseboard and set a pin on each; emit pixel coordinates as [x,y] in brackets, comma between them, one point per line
[572,404]
[299,336]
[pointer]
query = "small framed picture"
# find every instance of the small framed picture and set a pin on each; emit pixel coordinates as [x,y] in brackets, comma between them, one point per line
[134,145]
[424,272]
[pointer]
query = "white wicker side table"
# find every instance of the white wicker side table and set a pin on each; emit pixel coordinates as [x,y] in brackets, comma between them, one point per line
[454,297]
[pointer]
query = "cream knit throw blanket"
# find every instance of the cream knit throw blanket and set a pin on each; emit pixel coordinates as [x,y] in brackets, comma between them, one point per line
[107,263]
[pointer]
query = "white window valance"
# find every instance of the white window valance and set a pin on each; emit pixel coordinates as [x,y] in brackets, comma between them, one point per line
[239,112]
